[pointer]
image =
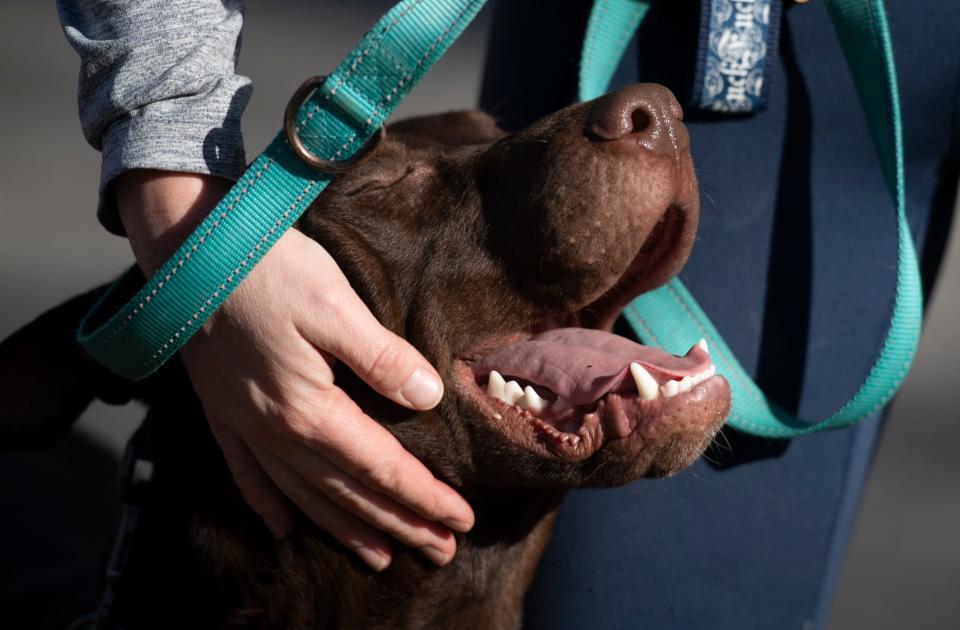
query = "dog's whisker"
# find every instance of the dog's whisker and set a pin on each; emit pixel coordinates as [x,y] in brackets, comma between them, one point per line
[712,202]
[706,456]
[727,446]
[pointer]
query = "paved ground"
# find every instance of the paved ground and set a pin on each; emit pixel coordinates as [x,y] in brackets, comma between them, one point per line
[903,566]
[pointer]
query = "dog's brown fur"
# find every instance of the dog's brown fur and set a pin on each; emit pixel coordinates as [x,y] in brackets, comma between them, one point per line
[455,235]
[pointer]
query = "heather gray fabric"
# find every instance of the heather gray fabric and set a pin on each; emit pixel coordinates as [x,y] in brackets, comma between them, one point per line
[158,87]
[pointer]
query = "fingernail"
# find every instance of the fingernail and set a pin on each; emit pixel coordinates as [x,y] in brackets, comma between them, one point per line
[423,389]
[435,555]
[377,560]
[458,525]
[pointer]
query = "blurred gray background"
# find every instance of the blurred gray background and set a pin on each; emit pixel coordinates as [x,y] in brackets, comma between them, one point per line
[903,565]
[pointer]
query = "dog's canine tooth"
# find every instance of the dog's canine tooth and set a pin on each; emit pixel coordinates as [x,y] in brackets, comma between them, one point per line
[703,345]
[646,385]
[686,383]
[670,389]
[496,386]
[532,401]
[512,393]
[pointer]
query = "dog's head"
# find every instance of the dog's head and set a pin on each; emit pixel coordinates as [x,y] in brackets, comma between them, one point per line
[506,260]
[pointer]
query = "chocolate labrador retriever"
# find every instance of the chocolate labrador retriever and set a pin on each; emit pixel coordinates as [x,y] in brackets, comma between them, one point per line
[505,260]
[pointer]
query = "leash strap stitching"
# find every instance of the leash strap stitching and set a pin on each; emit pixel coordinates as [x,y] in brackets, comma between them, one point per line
[193,249]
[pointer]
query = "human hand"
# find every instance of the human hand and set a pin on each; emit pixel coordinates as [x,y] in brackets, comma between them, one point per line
[262,367]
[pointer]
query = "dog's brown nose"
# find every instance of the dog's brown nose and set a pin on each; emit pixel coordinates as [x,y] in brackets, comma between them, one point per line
[645,115]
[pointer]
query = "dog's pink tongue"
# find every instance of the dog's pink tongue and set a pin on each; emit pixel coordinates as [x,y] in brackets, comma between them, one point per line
[582,364]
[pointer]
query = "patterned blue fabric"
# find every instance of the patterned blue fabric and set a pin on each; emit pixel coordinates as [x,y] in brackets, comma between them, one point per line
[736,39]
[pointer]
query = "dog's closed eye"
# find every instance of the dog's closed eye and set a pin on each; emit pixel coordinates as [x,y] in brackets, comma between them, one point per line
[381,179]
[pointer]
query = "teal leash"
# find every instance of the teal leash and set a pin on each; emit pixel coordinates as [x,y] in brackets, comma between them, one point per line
[330,125]
[670,317]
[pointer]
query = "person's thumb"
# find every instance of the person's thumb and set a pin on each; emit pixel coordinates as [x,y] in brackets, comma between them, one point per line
[385,361]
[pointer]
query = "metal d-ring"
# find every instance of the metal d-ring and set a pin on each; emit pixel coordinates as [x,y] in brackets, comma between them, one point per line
[301,151]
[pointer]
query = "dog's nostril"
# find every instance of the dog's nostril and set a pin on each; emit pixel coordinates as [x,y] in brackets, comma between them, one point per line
[641,120]
[645,112]
[618,118]
[644,117]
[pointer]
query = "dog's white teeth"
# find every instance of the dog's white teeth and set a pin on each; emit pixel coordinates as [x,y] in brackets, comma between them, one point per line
[512,393]
[670,389]
[531,401]
[507,391]
[527,398]
[561,405]
[678,386]
[496,385]
[646,384]
[704,375]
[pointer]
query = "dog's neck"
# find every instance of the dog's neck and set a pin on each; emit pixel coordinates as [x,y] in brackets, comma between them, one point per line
[308,575]
[484,586]
[506,514]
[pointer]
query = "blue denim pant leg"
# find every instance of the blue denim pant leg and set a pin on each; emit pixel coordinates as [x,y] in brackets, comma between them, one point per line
[795,264]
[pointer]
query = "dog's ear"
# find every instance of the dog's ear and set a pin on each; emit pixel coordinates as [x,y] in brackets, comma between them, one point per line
[47,379]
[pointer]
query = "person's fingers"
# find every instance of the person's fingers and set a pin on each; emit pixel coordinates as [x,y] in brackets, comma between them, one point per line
[284,398]
[433,540]
[366,451]
[370,545]
[257,489]
[385,361]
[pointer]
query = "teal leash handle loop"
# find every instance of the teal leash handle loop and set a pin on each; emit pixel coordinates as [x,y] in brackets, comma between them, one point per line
[671,318]
[134,329]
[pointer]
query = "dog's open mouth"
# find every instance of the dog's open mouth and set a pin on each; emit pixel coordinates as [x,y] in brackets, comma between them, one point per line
[572,390]
[565,391]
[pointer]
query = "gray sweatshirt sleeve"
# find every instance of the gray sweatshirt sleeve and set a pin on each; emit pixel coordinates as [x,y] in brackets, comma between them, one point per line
[158,87]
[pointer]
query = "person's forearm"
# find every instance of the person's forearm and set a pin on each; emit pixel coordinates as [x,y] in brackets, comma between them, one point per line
[160,209]
[158,87]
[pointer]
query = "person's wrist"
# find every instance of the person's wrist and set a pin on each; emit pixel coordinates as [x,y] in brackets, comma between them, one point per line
[159,209]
